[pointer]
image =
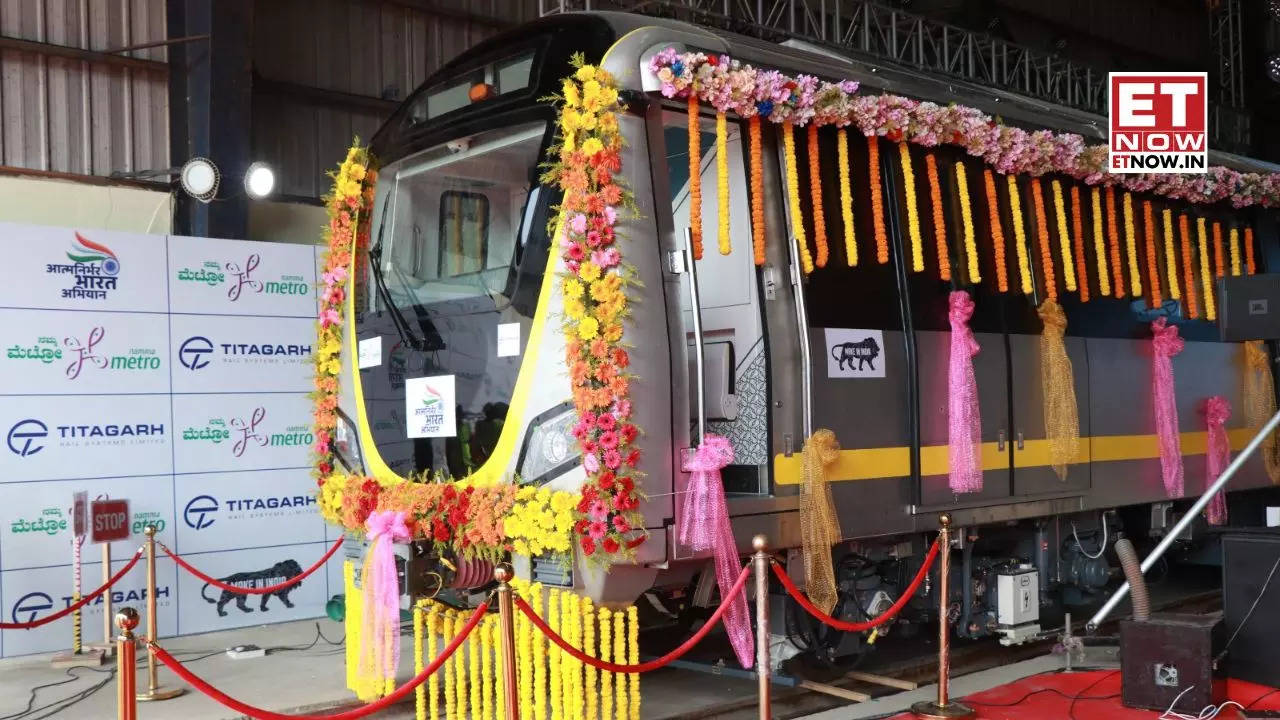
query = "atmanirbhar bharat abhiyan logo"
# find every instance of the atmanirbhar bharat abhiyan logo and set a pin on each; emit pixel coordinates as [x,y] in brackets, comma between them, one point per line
[94,266]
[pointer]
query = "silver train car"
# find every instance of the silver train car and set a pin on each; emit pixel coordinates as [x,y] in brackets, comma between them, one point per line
[461,282]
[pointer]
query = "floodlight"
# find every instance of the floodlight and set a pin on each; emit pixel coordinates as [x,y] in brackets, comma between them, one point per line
[199,178]
[259,180]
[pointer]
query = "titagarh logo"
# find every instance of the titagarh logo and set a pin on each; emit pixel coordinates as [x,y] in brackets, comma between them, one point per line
[29,607]
[27,437]
[85,353]
[244,433]
[203,511]
[88,252]
[195,351]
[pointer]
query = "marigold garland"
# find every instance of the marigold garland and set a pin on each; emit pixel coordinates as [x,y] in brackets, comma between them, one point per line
[1064,240]
[1077,239]
[1234,236]
[1149,245]
[966,221]
[846,199]
[939,222]
[722,181]
[1131,247]
[793,197]
[1206,276]
[556,697]
[757,190]
[1099,244]
[485,633]
[589,647]
[620,652]
[695,176]
[1117,264]
[1170,255]
[473,673]
[633,643]
[1219,257]
[1042,235]
[1248,250]
[997,231]
[433,681]
[1020,235]
[913,217]
[877,199]
[419,693]
[815,198]
[1188,267]
[606,654]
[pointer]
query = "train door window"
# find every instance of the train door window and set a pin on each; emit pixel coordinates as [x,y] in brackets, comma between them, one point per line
[735,362]
[464,233]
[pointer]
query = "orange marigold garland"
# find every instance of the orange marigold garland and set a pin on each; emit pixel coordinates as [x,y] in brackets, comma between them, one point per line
[997,232]
[1149,245]
[815,198]
[1248,250]
[1099,244]
[939,223]
[1077,238]
[1113,235]
[757,190]
[1042,235]
[877,199]
[846,199]
[1188,267]
[1170,255]
[695,176]
[1219,257]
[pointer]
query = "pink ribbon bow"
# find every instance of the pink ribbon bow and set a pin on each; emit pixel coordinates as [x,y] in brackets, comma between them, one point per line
[380,651]
[1218,455]
[964,422]
[1165,343]
[704,525]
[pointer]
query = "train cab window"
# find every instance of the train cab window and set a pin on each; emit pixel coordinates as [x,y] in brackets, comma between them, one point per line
[464,234]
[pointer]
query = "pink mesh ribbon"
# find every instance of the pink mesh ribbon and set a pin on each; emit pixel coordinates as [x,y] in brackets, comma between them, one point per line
[1217,456]
[704,525]
[380,639]
[964,423]
[1165,343]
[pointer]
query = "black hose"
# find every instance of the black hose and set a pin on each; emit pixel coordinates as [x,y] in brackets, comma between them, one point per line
[1133,573]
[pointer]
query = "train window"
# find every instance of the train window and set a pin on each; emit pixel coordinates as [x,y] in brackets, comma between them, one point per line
[464,234]
[514,74]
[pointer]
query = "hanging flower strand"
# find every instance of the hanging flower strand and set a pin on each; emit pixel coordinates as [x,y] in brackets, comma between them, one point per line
[757,190]
[1099,245]
[1077,238]
[913,216]
[1248,249]
[966,220]
[1206,274]
[939,222]
[1170,255]
[1064,240]
[1235,251]
[793,197]
[1149,246]
[1020,235]
[1042,235]
[997,232]
[815,198]
[1117,263]
[1188,266]
[1131,246]
[695,177]
[877,199]
[722,181]
[1219,256]
[846,199]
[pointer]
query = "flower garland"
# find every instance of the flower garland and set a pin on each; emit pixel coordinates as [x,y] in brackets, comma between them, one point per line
[966,220]
[757,190]
[1219,258]
[1206,277]
[877,200]
[1131,246]
[1248,250]
[939,223]
[695,176]
[1099,244]
[1077,239]
[722,181]
[1117,264]
[594,287]
[815,198]
[846,199]
[1019,234]
[793,197]
[1064,240]
[746,90]
[1042,235]
[1170,255]
[997,232]
[1149,245]
[913,215]
[1235,251]
[1188,266]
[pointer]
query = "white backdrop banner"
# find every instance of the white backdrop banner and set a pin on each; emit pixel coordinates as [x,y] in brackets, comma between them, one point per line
[172,371]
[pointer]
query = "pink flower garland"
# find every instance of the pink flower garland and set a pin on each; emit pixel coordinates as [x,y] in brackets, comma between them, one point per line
[732,86]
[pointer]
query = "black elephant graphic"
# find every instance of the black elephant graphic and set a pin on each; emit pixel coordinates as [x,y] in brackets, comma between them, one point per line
[274,575]
[864,351]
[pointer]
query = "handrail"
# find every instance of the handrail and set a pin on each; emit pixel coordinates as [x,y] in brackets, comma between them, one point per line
[1187,519]
[695,305]
[802,328]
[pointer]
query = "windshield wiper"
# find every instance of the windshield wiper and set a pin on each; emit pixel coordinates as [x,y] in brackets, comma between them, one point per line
[375,256]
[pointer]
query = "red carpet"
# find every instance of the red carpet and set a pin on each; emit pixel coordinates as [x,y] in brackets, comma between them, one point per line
[1095,694]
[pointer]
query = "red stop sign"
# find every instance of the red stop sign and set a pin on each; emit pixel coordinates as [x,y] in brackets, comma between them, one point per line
[109,520]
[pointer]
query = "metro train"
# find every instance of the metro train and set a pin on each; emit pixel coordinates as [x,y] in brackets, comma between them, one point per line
[460,282]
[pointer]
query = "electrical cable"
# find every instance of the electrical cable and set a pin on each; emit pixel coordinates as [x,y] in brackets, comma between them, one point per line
[1249,614]
[1208,713]
[1260,698]
[1102,548]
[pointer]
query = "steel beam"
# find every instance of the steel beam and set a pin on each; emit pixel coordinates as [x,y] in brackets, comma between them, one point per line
[74,53]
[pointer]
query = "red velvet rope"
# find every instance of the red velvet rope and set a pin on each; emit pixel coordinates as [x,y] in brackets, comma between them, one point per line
[843,626]
[399,694]
[253,591]
[77,605]
[645,666]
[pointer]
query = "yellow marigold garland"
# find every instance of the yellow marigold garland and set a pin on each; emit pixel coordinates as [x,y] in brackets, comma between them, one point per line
[757,190]
[556,698]
[877,199]
[433,682]
[419,693]
[722,181]
[620,651]
[633,620]
[695,176]
[1188,266]
[485,632]
[524,641]
[1206,275]
[793,197]
[1064,239]
[1149,245]
[1170,255]
[589,647]
[1219,257]
[1077,239]
[606,654]
[499,694]
[846,199]
[1131,246]
[1020,235]
[913,217]
[966,220]
[1235,251]
[939,222]
[1099,244]
[1117,263]
[451,700]
[815,197]
[997,231]
[539,656]
[1042,234]
[473,675]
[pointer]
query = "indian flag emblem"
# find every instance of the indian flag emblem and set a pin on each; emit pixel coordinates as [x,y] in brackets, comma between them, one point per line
[84,250]
[433,398]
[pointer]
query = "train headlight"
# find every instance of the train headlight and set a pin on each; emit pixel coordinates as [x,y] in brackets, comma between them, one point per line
[347,444]
[550,448]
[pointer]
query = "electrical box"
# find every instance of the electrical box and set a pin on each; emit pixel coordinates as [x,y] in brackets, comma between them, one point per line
[1171,657]
[1017,596]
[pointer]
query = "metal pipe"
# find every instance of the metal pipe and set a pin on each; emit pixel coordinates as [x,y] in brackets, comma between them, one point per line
[1190,516]
[943,708]
[154,693]
[764,693]
[126,680]
[506,617]
[695,305]
[802,328]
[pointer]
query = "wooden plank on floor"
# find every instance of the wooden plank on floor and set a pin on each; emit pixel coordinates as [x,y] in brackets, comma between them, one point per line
[882,680]
[834,691]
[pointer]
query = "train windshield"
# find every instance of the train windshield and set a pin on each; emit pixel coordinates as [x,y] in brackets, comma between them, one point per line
[458,256]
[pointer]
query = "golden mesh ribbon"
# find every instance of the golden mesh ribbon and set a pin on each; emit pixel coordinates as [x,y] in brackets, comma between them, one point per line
[818,524]
[1260,402]
[1061,418]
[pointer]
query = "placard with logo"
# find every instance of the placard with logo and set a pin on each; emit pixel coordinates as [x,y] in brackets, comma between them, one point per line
[173,372]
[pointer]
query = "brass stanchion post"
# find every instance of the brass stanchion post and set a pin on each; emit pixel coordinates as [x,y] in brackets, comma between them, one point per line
[153,693]
[761,559]
[506,616]
[127,657]
[943,708]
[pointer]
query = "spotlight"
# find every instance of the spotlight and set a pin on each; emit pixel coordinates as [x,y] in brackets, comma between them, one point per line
[1274,7]
[259,180]
[1273,68]
[199,177]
